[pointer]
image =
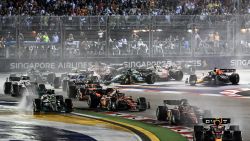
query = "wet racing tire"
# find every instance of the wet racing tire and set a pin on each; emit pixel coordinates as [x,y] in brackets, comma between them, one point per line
[56,82]
[237,136]
[142,103]
[178,75]
[150,79]
[15,90]
[93,101]
[68,105]
[161,113]
[234,78]
[7,88]
[198,133]
[37,106]
[71,91]
[175,118]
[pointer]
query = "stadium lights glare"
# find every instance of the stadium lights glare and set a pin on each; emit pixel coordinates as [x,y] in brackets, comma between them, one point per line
[243,30]
[189,30]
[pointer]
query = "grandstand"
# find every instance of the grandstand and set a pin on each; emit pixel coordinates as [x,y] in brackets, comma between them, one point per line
[121,28]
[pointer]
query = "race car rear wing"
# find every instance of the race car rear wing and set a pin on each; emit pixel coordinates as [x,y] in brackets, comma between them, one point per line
[212,120]
[172,102]
[228,70]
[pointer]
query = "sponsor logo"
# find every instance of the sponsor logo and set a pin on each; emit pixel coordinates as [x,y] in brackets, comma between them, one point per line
[240,63]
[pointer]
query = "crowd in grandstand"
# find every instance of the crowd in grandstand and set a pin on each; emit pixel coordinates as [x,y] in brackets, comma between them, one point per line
[122,7]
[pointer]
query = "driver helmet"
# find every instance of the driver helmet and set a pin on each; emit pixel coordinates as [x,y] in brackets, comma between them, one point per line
[184,102]
[217,122]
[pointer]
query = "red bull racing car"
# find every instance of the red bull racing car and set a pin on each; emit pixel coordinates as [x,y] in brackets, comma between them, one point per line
[216,77]
[217,130]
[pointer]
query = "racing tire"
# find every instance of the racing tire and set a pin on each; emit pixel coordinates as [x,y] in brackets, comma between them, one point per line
[237,136]
[161,113]
[192,80]
[174,119]
[37,106]
[142,103]
[150,79]
[93,101]
[7,88]
[198,136]
[198,128]
[60,103]
[56,82]
[51,77]
[198,133]
[64,85]
[178,76]
[234,78]
[15,90]
[71,91]
[68,105]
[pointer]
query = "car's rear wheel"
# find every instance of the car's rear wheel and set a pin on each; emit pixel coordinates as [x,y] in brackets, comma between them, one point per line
[161,113]
[68,105]
[93,101]
[37,106]
[142,103]
[7,88]
[150,79]
[15,90]
[234,78]
[71,91]
[198,133]
[178,75]
[56,82]
[237,136]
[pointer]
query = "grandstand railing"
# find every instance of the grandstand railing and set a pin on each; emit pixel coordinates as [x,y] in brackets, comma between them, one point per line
[122,36]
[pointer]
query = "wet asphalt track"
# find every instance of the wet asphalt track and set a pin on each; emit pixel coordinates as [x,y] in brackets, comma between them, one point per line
[19,131]
[210,98]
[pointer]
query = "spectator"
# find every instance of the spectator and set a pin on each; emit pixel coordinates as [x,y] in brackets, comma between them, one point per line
[45,38]
[38,37]
[121,7]
[70,38]
[55,38]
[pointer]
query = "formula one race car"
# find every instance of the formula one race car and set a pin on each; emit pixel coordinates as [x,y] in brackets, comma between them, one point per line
[131,76]
[42,76]
[80,85]
[114,100]
[82,75]
[50,102]
[217,131]
[216,77]
[17,85]
[181,113]
[167,73]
